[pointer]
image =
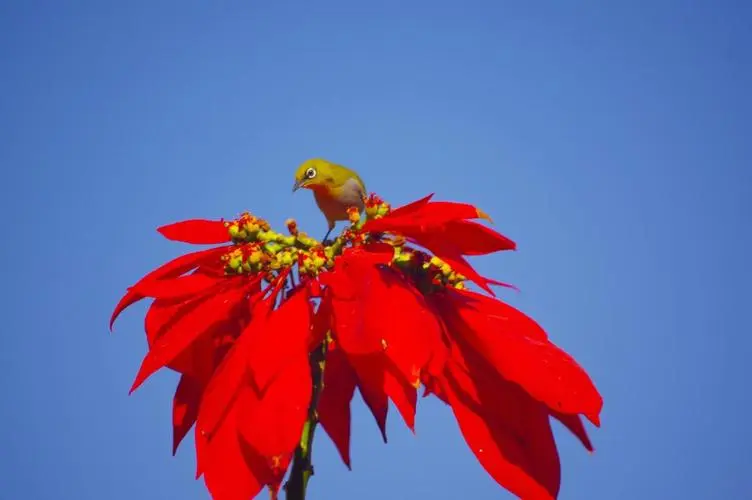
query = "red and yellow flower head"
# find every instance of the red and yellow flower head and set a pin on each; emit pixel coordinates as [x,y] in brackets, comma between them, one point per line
[273,333]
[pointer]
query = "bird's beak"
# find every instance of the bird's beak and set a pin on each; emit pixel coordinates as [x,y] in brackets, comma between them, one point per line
[296,186]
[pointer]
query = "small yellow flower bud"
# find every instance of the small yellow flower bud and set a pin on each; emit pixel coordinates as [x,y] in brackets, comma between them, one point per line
[353,214]
[292,226]
[286,259]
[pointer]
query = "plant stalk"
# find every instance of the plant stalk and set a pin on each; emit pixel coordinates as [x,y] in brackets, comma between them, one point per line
[302,465]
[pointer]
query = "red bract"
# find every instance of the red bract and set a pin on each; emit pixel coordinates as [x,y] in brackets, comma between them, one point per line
[520,352]
[196,231]
[444,228]
[272,334]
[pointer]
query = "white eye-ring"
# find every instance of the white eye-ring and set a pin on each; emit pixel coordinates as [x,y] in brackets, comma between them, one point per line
[310,173]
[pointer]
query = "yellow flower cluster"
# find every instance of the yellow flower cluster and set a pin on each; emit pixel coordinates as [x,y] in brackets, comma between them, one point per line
[260,250]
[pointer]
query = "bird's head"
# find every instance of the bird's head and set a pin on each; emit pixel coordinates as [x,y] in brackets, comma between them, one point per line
[315,173]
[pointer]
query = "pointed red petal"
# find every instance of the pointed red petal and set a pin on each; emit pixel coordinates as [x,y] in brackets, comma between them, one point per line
[403,395]
[434,386]
[230,472]
[321,322]
[372,392]
[446,211]
[314,288]
[197,361]
[187,329]
[273,425]
[197,232]
[507,431]
[130,298]
[482,313]
[161,314]
[576,427]
[513,344]
[334,402]
[493,456]
[277,472]
[410,207]
[407,328]
[350,288]
[472,238]
[379,381]
[286,335]
[171,269]
[380,312]
[501,283]
[425,217]
[223,387]
[184,409]
[353,263]
[193,285]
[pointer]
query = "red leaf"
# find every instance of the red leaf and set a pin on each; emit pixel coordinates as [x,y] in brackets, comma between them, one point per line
[230,472]
[403,395]
[334,402]
[355,289]
[507,431]
[193,285]
[434,386]
[410,207]
[429,226]
[399,316]
[314,287]
[196,361]
[373,394]
[472,238]
[375,311]
[514,345]
[321,322]
[349,291]
[187,329]
[287,334]
[575,426]
[446,211]
[422,217]
[171,269]
[184,409]
[161,314]
[223,387]
[273,425]
[346,280]
[482,313]
[197,232]
[379,381]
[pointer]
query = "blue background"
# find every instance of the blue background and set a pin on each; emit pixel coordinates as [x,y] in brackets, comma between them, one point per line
[611,140]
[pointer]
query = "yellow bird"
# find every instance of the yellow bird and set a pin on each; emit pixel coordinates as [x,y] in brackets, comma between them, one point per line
[335,188]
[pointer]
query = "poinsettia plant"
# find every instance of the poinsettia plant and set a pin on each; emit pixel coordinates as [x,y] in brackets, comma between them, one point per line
[272,334]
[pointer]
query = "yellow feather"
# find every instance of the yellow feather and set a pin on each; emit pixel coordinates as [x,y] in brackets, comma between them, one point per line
[335,188]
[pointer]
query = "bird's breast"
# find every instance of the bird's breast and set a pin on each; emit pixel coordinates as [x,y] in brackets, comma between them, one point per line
[334,200]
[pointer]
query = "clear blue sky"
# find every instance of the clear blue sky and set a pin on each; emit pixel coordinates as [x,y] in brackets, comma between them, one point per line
[610,139]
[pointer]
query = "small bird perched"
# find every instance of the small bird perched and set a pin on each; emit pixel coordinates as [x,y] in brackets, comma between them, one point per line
[335,188]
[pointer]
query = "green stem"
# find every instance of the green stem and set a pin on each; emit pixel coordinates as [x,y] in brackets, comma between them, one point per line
[302,466]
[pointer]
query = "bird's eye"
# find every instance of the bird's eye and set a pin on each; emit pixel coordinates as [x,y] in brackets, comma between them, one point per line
[310,173]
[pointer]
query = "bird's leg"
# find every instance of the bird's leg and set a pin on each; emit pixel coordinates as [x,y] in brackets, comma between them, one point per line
[324,241]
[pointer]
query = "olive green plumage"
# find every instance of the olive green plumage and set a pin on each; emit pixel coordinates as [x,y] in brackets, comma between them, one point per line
[335,188]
